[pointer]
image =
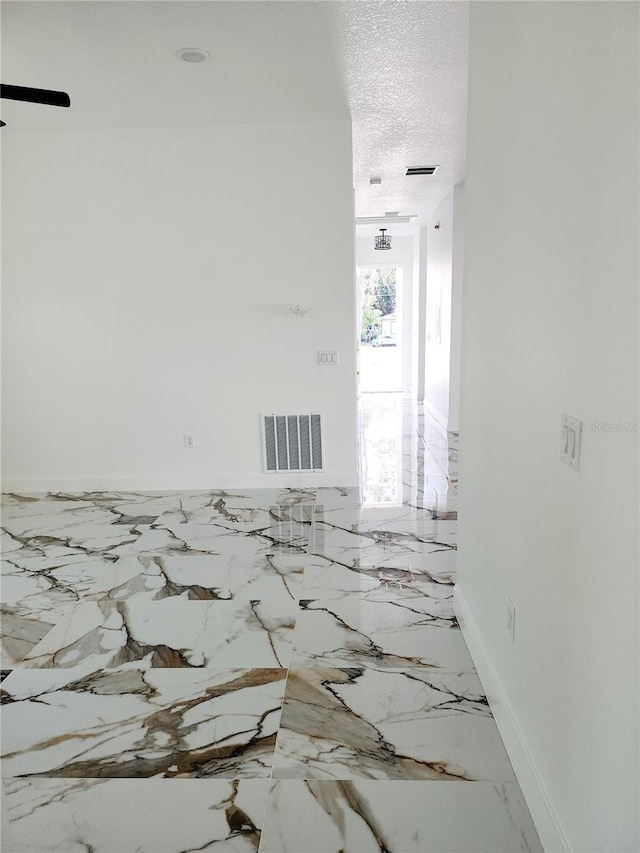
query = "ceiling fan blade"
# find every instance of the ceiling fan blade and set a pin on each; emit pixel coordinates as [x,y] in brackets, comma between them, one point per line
[35,96]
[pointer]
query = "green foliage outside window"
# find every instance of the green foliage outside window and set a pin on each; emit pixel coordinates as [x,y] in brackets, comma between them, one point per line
[378,300]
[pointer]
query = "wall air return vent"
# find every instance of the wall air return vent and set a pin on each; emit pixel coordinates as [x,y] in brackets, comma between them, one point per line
[421,170]
[293,442]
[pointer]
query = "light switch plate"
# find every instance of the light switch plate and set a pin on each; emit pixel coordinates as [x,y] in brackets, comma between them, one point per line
[571,441]
[328,357]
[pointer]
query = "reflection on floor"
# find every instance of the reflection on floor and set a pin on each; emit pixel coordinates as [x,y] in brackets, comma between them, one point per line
[251,670]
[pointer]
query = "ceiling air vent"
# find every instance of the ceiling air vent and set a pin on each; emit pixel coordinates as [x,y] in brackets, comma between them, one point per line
[421,170]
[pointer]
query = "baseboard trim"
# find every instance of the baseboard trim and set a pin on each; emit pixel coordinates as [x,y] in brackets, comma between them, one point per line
[545,817]
[185,482]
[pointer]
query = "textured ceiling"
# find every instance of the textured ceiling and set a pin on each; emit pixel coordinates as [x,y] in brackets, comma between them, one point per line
[405,67]
[398,68]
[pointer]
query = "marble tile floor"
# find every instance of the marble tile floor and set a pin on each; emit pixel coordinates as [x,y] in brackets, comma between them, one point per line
[270,670]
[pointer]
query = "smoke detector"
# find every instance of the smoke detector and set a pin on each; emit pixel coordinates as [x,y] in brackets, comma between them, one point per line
[193,54]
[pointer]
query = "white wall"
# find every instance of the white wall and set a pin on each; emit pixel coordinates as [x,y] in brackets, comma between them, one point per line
[147,276]
[550,327]
[455,340]
[418,302]
[400,255]
[423,246]
[444,299]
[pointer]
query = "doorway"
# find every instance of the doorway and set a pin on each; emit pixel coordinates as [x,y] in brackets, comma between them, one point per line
[381,329]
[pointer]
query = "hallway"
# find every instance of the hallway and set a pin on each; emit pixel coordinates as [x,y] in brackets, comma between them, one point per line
[272,670]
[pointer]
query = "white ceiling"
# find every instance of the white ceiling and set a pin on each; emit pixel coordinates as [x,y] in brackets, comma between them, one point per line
[398,68]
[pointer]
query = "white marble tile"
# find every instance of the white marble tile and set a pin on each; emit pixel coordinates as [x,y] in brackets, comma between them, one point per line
[122,815]
[360,517]
[46,589]
[370,724]
[88,531]
[49,515]
[75,572]
[403,817]
[326,580]
[129,599]
[257,574]
[171,632]
[435,560]
[337,498]
[37,597]
[377,634]
[369,519]
[403,536]
[18,635]
[405,458]
[137,723]
[441,506]
[245,512]
[210,539]
[114,505]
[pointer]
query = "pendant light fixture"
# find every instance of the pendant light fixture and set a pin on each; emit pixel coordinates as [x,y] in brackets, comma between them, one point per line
[382,241]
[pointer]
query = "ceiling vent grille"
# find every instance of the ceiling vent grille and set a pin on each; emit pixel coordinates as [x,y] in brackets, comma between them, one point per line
[421,170]
[293,442]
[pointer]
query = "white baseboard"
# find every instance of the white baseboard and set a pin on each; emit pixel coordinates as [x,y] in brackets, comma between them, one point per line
[184,482]
[545,817]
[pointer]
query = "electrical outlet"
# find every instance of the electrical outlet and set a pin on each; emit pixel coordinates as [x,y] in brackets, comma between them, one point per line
[189,439]
[511,620]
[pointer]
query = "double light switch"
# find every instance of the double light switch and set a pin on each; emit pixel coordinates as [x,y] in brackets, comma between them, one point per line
[570,441]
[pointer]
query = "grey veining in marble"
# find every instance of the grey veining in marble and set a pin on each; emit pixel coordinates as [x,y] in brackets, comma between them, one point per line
[206,577]
[122,815]
[397,817]
[130,722]
[175,663]
[172,632]
[19,635]
[378,634]
[325,579]
[371,724]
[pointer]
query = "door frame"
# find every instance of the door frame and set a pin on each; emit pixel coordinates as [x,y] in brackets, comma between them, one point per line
[405,313]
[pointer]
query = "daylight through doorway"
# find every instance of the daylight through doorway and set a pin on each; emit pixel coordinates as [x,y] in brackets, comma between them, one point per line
[381,337]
